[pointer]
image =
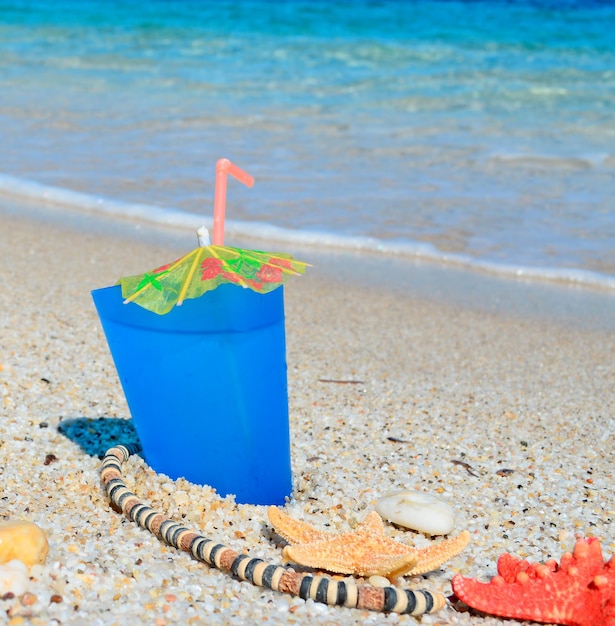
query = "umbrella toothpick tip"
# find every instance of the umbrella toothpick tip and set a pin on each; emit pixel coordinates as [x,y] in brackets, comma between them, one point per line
[203,236]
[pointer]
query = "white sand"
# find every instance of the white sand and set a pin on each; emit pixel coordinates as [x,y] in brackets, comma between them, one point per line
[533,396]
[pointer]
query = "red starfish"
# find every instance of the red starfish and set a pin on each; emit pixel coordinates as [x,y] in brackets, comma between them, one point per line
[578,592]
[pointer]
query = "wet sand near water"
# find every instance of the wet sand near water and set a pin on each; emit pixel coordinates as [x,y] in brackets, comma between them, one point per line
[508,417]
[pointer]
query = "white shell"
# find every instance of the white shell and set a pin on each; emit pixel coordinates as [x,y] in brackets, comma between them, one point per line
[420,511]
[379,581]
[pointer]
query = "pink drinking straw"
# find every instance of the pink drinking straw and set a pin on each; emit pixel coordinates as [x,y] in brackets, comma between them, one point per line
[223,168]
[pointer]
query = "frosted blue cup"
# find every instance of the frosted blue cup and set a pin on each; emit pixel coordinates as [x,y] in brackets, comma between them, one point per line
[206,386]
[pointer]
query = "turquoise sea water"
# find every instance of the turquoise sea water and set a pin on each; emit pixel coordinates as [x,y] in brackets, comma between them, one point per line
[481,131]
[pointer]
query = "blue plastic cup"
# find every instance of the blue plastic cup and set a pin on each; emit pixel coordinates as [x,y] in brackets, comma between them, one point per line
[206,386]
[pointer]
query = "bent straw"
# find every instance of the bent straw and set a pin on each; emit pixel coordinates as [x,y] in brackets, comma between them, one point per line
[223,168]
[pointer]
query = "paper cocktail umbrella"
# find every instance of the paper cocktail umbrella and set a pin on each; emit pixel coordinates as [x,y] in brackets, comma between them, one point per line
[209,266]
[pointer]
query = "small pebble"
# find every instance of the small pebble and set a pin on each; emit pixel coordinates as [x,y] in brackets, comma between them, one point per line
[14,579]
[417,510]
[28,599]
[24,541]
[379,581]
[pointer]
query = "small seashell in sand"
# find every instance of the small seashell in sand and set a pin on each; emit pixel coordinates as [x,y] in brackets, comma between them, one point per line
[416,510]
[379,581]
[24,541]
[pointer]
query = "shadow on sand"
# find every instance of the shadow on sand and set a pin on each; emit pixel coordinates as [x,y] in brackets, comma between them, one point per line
[96,435]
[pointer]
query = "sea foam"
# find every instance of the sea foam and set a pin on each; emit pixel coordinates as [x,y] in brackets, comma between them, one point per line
[175,218]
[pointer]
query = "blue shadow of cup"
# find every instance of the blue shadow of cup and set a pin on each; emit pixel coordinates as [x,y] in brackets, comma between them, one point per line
[207,389]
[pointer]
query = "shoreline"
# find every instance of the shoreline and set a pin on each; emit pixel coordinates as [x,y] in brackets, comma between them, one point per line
[523,400]
[564,302]
[65,201]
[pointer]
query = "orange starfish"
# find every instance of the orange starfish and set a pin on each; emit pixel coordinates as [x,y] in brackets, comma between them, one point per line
[366,551]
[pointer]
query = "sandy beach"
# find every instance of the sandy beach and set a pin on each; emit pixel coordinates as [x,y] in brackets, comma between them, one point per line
[508,416]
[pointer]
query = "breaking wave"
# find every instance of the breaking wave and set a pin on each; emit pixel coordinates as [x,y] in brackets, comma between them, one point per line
[45,194]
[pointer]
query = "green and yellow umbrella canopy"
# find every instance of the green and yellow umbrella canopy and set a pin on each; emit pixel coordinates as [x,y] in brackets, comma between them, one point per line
[204,269]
